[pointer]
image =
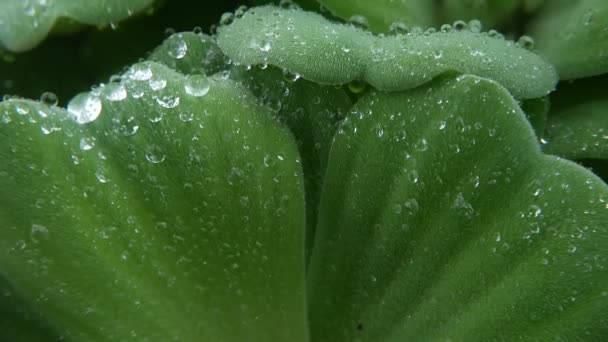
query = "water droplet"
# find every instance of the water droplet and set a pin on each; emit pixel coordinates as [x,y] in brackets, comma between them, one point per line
[240,11]
[197,85]
[290,76]
[462,206]
[421,145]
[438,54]
[85,107]
[186,116]
[398,27]
[235,176]
[227,18]
[177,47]
[49,99]
[446,28]
[154,154]
[38,233]
[475,26]
[115,92]
[359,21]
[157,83]
[459,25]
[411,205]
[265,47]
[168,101]
[140,72]
[87,144]
[534,211]
[526,42]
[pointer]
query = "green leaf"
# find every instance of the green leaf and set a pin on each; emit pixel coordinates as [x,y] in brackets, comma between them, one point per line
[24,24]
[380,14]
[579,132]
[312,113]
[572,35]
[441,219]
[159,219]
[291,39]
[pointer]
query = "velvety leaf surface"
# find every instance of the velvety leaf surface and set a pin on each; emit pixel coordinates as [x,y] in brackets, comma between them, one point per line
[25,23]
[441,220]
[312,113]
[291,39]
[579,132]
[380,14]
[160,219]
[572,35]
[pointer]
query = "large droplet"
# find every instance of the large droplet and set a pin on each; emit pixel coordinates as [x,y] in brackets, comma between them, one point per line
[140,72]
[85,107]
[115,92]
[177,47]
[197,85]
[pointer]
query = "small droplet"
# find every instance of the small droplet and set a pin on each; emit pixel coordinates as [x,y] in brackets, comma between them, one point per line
[265,46]
[227,18]
[157,83]
[49,99]
[459,25]
[290,76]
[475,26]
[526,42]
[359,21]
[168,101]
[154,154]
[186,116]
[446,28]
[421,145]
[85,107]
[398,27]
[197,85]
[38,233]
[87,143]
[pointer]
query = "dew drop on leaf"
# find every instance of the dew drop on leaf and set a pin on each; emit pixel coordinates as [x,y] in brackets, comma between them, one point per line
[38,232]
[359,21]
[177,47]
[48,98]
[398,27]
[87,144]
[85,107]
[197,85]
[154,154]
[140,72]
[115,92]
[168,101]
